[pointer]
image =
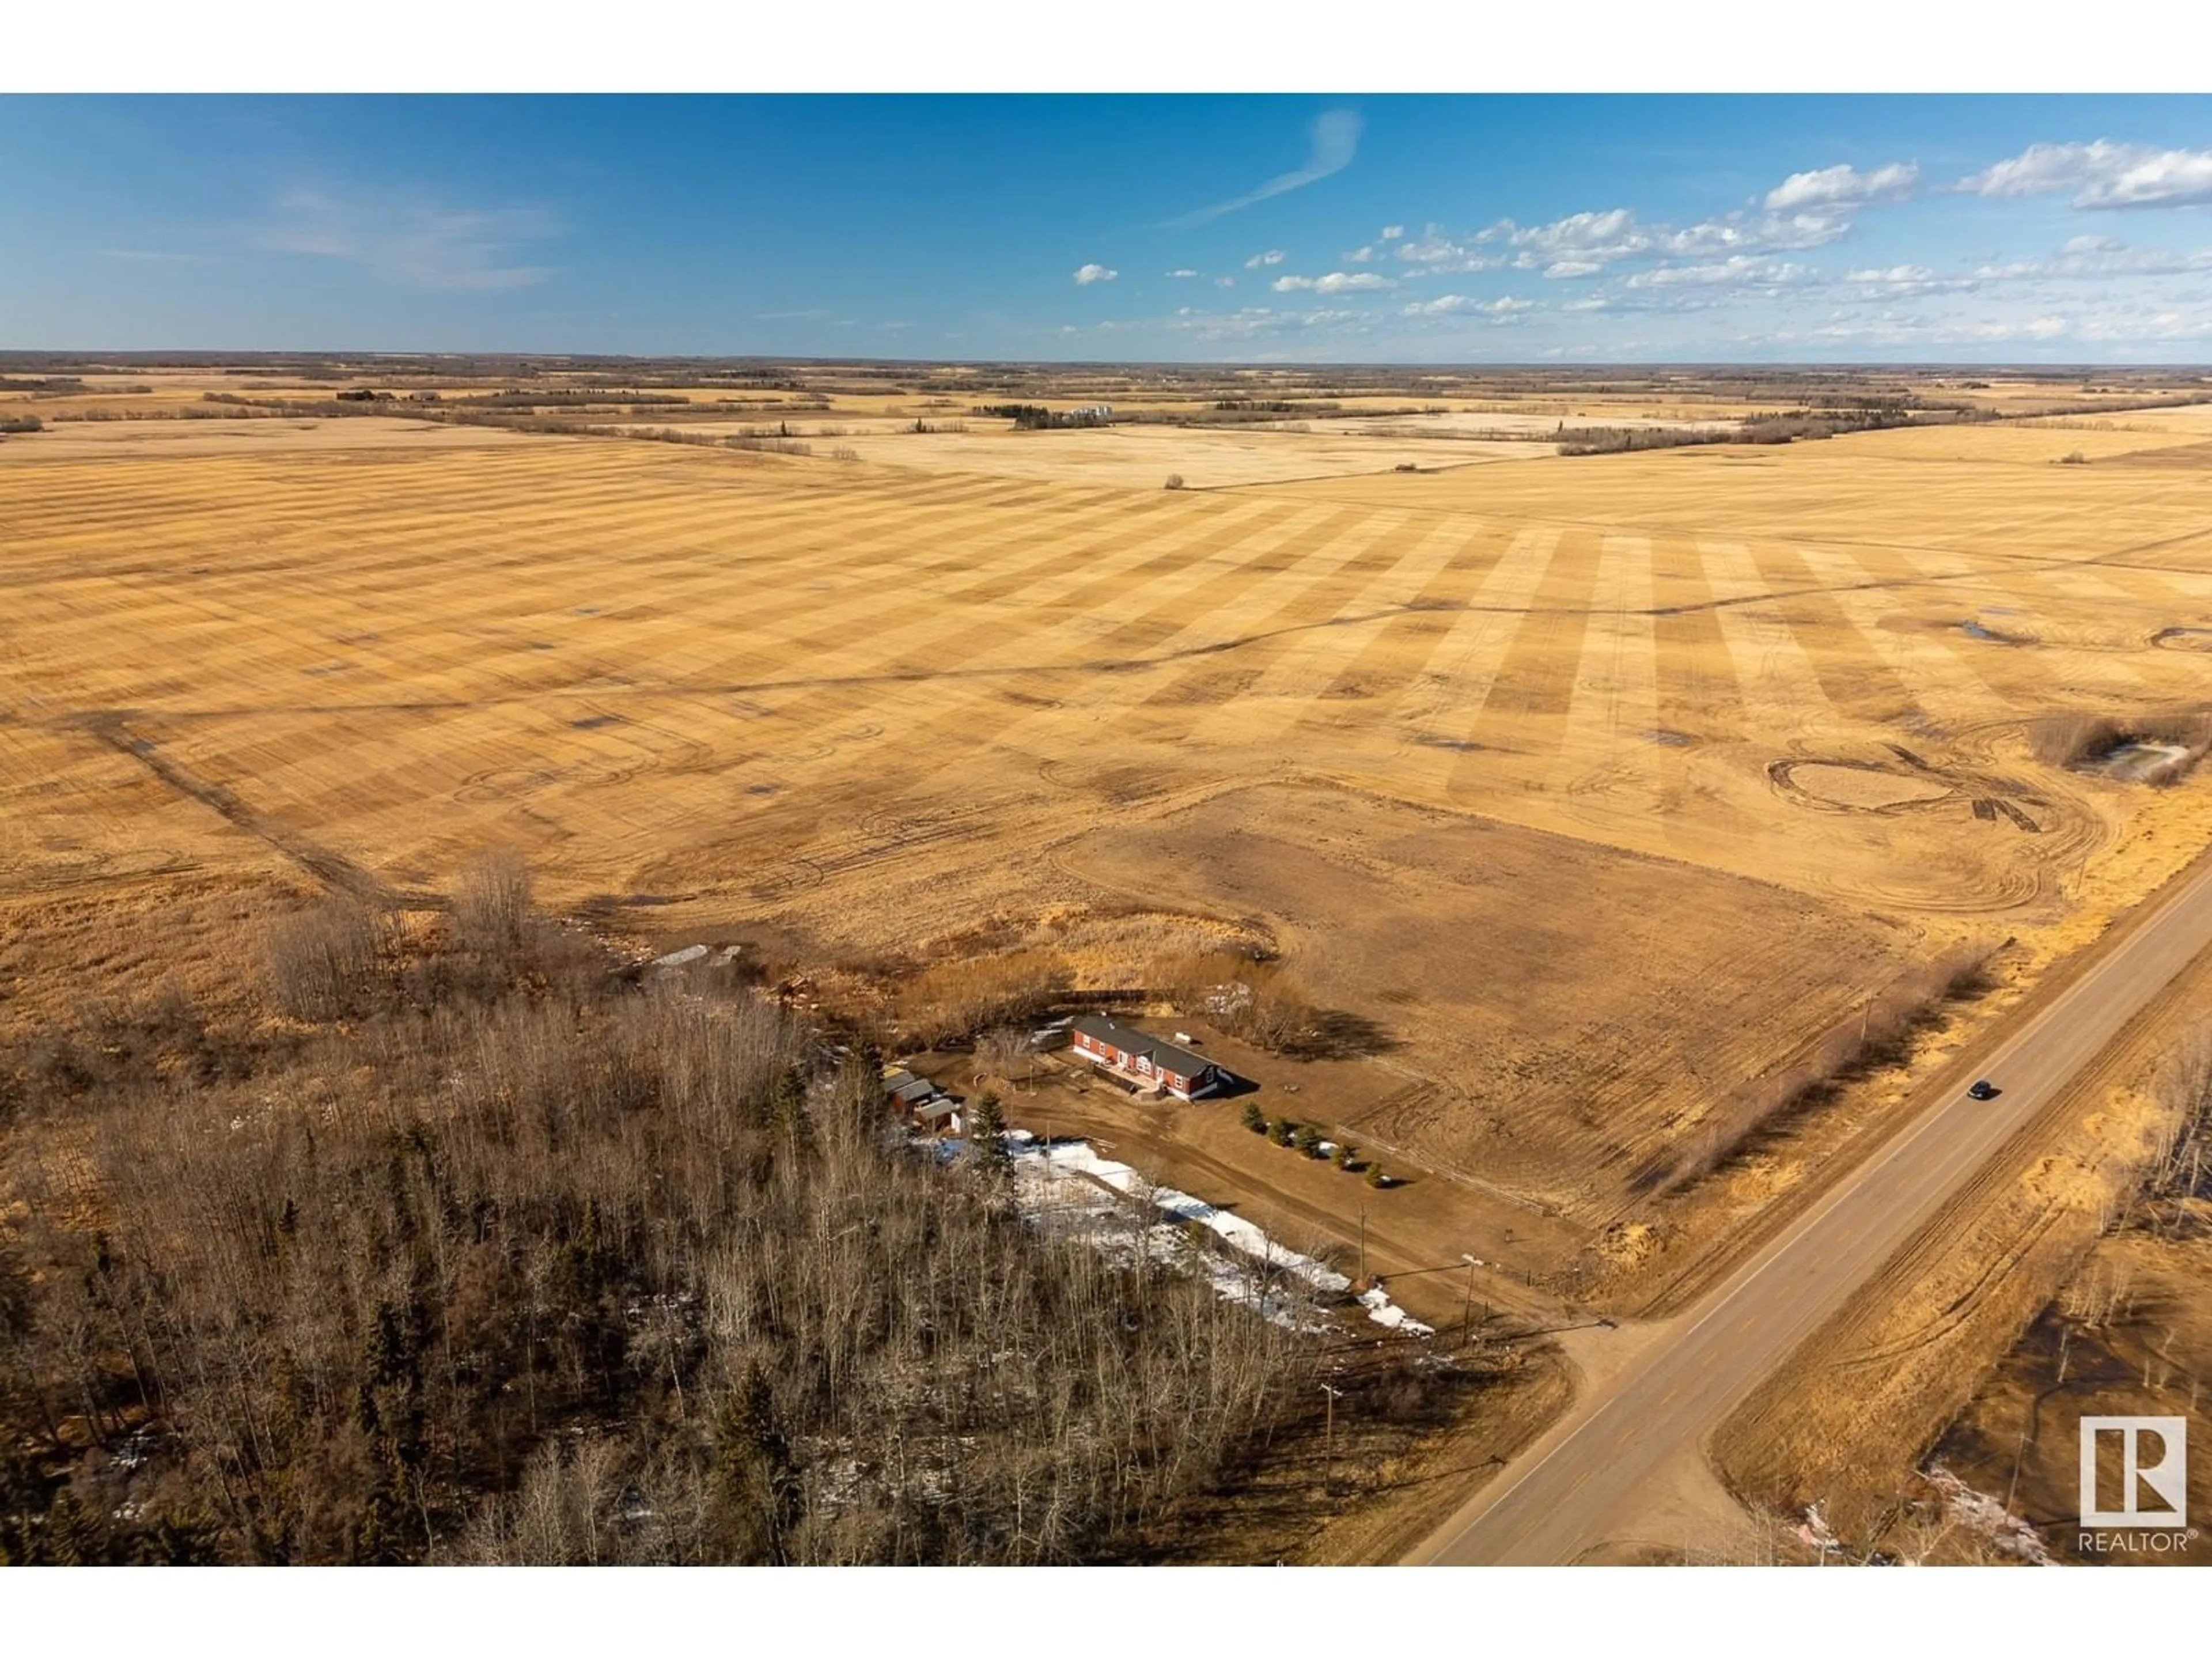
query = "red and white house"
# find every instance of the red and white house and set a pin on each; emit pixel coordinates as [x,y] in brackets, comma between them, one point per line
[1144,1061]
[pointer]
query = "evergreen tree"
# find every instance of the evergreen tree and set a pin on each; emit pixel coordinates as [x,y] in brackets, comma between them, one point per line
[987,1130]
[751,1498]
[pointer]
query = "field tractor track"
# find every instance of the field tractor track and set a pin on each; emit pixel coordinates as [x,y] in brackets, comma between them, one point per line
[331,869]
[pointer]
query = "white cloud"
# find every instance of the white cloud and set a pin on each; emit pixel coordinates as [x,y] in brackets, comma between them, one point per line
[1086,275]
[1335,140]
[1738,270]
[1772,233]
[1224,282]
[1612,234]
[413,240]
[1337,282]
[1897,282]
[1261,320]
[1393,233]
[2134,323]
[1359,256]
[1446,305]
[1580,242]
[2102,174]
[1273,256]
[1184,271]
[1843,186]
[1438,252]
[2102,260]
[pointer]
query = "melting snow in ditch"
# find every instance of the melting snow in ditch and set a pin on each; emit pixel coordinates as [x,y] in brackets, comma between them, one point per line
[1057,1181]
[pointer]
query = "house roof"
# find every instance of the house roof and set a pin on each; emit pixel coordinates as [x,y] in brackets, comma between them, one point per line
[915,1089]
[942,1109]
[1166,1055]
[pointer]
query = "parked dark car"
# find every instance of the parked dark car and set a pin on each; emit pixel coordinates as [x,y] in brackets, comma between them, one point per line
[1982,1089]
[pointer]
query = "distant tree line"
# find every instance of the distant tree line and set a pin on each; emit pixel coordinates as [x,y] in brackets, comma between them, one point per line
[1034,417]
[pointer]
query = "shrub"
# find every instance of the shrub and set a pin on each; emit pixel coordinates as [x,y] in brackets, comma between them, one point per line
[1254,1119]
[1376,1178]
[1280,1131]
[1307,1139]
[1343,1155]
[1175,481]
[321,962]
[491,908]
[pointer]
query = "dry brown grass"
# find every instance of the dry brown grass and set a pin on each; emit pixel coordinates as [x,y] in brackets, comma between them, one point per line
[1878,1034]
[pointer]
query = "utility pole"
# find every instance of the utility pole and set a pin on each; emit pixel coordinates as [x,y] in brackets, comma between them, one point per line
[1467,1314]
[1328,1442]
[1363,1244]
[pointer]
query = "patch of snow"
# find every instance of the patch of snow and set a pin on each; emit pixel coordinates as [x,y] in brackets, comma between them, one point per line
[1814,1533]
[677,958]
[1986,1518]
[1383,1311]
[1076,1157]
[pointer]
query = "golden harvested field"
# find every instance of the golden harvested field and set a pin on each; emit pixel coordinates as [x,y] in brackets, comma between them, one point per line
[1600,783]
[1144,457]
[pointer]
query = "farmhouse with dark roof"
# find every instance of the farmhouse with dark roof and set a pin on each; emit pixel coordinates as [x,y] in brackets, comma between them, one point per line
[1127,1053]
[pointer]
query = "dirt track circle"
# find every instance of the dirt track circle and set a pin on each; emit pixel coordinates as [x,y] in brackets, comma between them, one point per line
[1845,785]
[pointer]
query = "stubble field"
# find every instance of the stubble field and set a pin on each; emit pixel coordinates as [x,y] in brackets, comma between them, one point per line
[1598,784]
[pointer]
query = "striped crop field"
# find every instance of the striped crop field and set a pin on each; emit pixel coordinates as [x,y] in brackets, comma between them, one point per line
[1693,744]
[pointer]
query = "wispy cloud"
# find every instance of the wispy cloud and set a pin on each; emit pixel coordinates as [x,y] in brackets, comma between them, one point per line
[1086,275]
[414,240]
[1737,271]
[1843,186]
[1273,256]
[1335,140]
[1585,244]
[1184,271]
[2102,174]
[155,256]
[1254,321]
[1447,305]
[1337,282]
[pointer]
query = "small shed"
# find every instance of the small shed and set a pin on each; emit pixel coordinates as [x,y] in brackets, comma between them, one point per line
[940,1117]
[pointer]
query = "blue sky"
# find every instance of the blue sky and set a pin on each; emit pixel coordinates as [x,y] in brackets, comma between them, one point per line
[1463,229]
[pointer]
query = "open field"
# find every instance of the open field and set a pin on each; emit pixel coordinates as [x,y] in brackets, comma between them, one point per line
[1138,458]
[1564,732]
[1469,747]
